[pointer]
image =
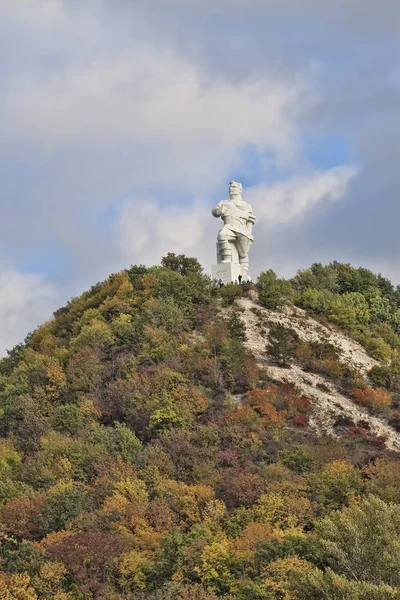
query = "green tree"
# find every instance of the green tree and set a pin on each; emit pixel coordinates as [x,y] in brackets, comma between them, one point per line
[318,277]
[297,459]
[273,292]
[319,585]
[237,329]
[181,264]
[282,343]
[362,542]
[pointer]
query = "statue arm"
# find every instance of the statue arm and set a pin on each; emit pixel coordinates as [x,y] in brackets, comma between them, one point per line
[216,211]
[220,210]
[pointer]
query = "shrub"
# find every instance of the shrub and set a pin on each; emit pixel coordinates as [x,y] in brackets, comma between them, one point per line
[297,459]
[318,301]
[379,349]
[394,421]
[350,311]
[273,292]
[229,293]
[376,400]
[380,375]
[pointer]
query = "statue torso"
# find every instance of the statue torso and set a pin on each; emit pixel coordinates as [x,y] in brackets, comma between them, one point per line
[237,216]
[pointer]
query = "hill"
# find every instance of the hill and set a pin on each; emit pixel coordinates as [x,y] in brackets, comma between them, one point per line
[162,438]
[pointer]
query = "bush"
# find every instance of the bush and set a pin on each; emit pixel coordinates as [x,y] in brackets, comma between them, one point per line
[318,301]
[297,459]
[350,311]
[273,292]
[376,400]
[379,349]
[229,293]
[331,368]
[380,375]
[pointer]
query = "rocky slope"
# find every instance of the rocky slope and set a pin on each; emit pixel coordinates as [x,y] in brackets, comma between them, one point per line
[329,406]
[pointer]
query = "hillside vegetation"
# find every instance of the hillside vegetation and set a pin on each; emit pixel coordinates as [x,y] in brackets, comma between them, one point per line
[164,439]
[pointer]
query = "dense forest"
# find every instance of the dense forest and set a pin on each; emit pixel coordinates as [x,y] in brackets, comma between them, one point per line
[146,454]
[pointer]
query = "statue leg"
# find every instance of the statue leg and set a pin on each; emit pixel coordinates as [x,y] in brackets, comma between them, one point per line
[243,248]
[225,236]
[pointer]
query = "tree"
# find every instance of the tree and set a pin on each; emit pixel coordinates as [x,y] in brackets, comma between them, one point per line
[282,343]
[215,568]
[318,585]
[336,484]
[362,542]
[237,329]
[181,264]
[318,277]
[273,292]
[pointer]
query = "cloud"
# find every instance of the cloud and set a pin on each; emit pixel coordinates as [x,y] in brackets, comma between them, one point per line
[293,199]
[146,231]
[26,301]
[155,100]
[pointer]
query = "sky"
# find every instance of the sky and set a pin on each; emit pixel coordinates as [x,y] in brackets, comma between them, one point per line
[123,121]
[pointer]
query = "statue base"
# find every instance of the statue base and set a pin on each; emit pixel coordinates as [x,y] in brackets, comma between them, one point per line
[228,273]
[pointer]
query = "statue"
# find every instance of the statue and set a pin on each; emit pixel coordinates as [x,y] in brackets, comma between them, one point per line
[235,237]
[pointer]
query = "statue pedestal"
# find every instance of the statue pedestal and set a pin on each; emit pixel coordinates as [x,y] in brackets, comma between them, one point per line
[227,272]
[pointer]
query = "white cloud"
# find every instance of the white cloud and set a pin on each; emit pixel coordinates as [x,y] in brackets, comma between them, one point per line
[291,200]
[157,100]
[145,229]
[26,300]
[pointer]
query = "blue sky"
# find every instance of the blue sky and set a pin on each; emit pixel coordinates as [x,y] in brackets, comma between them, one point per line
[122,122]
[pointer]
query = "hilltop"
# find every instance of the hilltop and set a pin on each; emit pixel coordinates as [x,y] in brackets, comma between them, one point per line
[166,439]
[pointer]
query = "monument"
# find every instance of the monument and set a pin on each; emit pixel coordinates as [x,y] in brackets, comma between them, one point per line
[235,237]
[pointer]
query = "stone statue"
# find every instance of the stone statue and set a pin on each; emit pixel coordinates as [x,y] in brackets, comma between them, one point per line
[235,237]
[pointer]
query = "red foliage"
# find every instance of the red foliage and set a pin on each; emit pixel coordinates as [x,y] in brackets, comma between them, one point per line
[374,399]
[284,400]
[88,556]
[361,433]
[301,420]
[238,487]
[21,517]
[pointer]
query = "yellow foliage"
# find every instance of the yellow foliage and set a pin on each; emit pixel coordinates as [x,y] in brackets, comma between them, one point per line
[57,381]
[277,575]
[187,501]
[64,469]
[50,580]
[9,457]
[131,568]
[90,412]
[53,571]
[61,486]
[214,569]
[17,587]
[283,511]
[128,503]
[121,301]
[214,511]
[133,490]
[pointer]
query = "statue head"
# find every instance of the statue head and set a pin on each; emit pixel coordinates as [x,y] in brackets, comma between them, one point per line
[235,190]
